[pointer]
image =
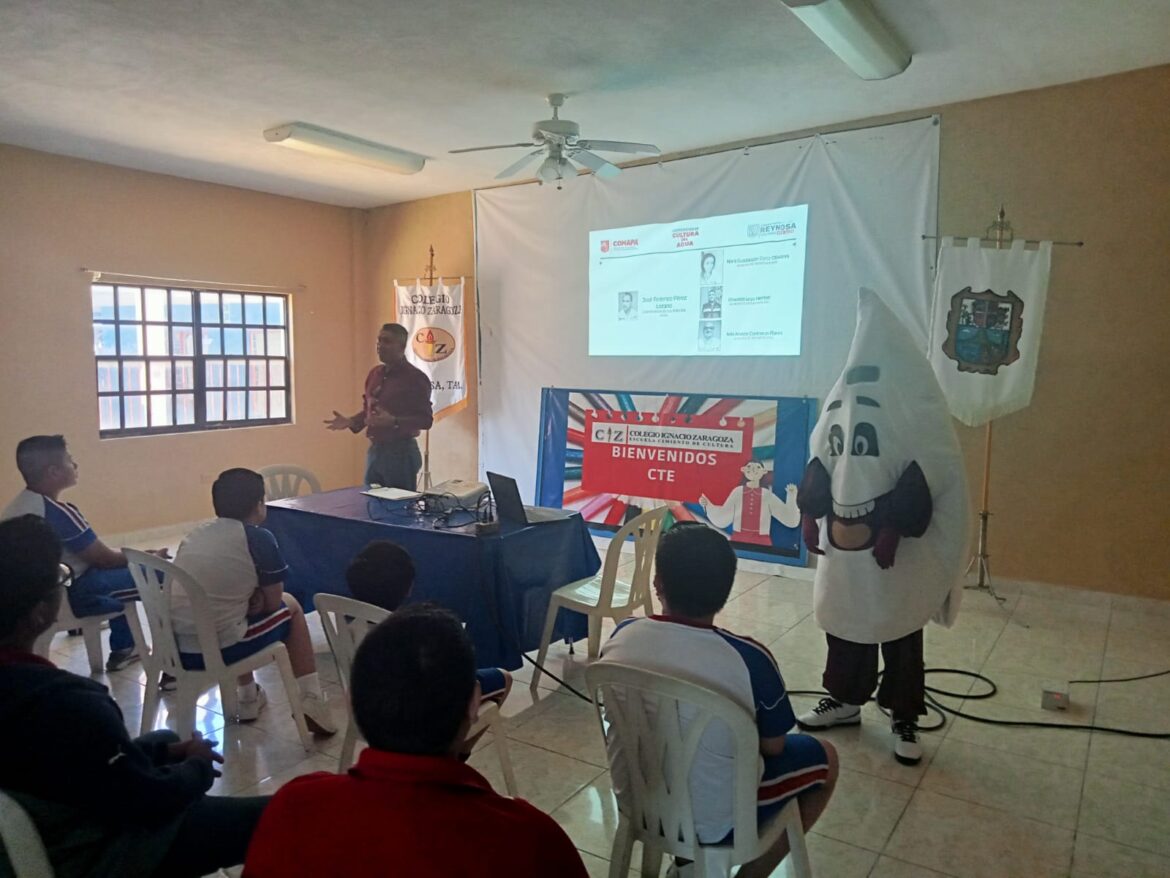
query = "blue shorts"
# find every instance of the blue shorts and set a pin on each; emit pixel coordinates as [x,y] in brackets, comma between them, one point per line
[263,630]
[803,765]
[492,684]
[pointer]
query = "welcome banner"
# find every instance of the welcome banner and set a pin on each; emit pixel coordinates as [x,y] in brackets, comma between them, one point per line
[729,461]
[433,315]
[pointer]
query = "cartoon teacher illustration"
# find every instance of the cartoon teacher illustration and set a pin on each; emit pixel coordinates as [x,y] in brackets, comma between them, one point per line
[751,506]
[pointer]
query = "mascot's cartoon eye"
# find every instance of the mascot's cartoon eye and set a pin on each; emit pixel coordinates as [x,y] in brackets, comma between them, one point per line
[865,442]
[836,440]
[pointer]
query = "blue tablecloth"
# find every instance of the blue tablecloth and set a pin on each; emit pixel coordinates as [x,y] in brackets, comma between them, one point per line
[499,584]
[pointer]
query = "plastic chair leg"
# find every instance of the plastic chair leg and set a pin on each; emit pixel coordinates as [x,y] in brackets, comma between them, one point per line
[798,862]
[345,760]
[228,698]
[550,622]
[622,850]
[92,633]
[594,637]
[501,742]
[294,699]
[150,707]
[651,861]
[184,712]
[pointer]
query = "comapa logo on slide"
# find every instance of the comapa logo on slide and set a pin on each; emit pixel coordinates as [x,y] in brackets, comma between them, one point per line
[623,244]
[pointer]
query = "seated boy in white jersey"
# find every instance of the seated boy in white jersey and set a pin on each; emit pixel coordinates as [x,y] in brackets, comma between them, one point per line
[101,579]
[239,566]
[694,570]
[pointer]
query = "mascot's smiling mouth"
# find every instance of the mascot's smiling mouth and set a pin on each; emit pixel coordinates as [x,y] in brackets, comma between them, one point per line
[855,527]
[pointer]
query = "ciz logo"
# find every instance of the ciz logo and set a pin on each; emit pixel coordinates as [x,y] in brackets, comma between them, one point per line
[605,246]
[432,343]
[609,433]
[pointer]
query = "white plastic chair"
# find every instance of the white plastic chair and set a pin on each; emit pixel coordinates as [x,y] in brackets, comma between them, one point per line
[346,622]
[91,630]
[155,578]
[21,841]
[604,596]
[285,480]
[642,709]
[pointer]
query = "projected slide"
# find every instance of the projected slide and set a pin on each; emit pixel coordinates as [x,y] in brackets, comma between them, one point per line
[722,286]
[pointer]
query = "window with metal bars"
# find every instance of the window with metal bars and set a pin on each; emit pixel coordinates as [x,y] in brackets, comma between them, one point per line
[174,360]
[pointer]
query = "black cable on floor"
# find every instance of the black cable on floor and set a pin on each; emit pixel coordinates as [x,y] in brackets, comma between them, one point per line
[934,706]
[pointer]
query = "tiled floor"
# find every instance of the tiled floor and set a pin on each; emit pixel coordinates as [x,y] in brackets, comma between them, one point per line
[986,800]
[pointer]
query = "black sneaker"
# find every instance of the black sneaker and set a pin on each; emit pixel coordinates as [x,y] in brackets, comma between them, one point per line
[121,658]
[907,749]
[167,683]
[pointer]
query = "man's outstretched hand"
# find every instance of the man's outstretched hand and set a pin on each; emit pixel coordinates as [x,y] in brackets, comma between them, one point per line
[339,421]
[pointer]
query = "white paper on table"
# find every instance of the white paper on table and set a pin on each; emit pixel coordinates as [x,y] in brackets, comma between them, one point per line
[391,493]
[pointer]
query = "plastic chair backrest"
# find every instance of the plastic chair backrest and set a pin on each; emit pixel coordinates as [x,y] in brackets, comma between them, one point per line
[346,622]
[21,842]
[642,709]
[285,480]
[155,579]
[645,529]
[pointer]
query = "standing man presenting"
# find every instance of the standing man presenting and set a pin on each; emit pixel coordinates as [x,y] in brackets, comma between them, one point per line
[396,406]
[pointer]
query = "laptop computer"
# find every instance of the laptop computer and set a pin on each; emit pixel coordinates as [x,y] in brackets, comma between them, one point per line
[511,510]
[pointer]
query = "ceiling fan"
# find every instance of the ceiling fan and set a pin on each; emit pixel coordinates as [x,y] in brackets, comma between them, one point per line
[560,142]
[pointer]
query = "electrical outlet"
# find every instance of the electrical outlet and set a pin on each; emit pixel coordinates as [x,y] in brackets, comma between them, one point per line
[1055,696]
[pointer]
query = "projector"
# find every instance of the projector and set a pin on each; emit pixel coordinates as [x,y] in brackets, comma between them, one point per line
[454,494]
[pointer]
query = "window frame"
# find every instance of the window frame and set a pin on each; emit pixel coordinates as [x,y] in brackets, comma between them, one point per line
[198,358]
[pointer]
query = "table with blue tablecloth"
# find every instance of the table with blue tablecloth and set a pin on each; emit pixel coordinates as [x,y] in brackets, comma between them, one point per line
[498,583]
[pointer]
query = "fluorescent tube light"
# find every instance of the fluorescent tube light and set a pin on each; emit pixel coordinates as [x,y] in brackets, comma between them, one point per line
[335,145]
[853,31]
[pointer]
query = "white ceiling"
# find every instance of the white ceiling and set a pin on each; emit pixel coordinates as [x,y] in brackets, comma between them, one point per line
[187,88]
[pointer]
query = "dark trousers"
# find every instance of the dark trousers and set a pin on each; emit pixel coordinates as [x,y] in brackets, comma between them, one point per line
[393,464]
[214,835]
[851,674]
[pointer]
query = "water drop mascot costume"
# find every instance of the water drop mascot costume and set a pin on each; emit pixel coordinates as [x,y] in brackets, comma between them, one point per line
[884,502]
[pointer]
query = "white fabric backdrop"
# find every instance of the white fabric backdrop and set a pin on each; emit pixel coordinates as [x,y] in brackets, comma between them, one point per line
[872,194]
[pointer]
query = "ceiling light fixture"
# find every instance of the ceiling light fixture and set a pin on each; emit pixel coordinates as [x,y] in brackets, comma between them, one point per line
[855,33]
[335,145]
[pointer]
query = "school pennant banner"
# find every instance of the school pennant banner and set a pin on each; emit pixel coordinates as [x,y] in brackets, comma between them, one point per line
[433,315]
[985,329]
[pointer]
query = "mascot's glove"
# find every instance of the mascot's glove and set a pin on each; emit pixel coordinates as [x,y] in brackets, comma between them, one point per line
[885,547]
[811,533]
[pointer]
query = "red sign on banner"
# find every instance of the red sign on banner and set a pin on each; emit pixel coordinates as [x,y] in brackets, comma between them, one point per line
[668,456]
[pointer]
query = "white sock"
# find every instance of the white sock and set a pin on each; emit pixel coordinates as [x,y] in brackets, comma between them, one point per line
[248,691]
[310,684]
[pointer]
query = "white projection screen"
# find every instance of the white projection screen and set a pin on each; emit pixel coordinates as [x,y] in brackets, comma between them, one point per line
[871,194]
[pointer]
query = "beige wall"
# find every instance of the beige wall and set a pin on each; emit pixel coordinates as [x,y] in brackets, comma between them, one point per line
[59,214]
[1080,485]
[397,239]
[1081,479]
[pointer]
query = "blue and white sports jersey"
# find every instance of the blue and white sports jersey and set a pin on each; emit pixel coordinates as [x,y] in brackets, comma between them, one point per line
[65,519]
[739,667]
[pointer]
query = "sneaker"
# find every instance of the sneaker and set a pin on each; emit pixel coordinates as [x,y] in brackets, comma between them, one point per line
[167,683]
[317,716]
[121,658]
[249,709]
[907,750]
[685,870]
[830,712]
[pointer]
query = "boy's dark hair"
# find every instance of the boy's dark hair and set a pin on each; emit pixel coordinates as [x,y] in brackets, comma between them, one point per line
[381,574]
[397,329]
[29,557]
[36,454]
[237,492]
[696,567]
[412,680]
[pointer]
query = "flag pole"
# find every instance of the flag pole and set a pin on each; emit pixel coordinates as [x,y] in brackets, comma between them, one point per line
[424,477]
[1001,232]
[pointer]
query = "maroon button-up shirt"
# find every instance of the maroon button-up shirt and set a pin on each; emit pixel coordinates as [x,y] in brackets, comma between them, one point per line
[404,392]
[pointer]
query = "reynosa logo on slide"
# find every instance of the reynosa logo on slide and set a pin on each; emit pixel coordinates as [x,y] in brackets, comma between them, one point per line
[432,343]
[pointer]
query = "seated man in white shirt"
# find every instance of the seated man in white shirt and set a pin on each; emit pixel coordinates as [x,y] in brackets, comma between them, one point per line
[694,570]
[239,566]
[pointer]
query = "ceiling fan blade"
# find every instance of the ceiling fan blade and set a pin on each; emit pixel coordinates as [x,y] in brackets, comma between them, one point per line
[480,148]
[618,146]
[595,163]
[516,166]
